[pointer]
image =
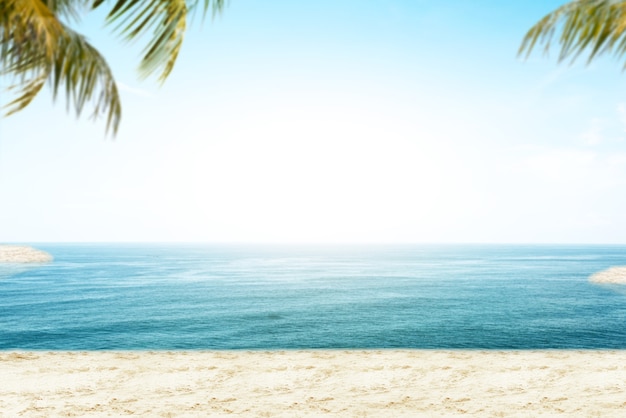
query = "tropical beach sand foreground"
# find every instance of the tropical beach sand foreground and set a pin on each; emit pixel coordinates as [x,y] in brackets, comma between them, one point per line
[313,383]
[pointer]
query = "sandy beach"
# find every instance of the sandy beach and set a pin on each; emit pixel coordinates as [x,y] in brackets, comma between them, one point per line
[313,383]
[613,275]
[23,254]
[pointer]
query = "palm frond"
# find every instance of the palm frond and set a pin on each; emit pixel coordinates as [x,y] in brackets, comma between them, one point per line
[164,20]
[71,10]
[36,47]
[85,77]
[76,69]
[586,26]
[28,90]
[29,24]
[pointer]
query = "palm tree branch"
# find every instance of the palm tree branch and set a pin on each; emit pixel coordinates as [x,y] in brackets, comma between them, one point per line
[30,23]
[76,70]
[586,26]
[164,21]
[28,91]
[71,10]
[36,47]
[86,77]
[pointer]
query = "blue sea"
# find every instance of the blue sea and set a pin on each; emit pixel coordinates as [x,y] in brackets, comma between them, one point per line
[167,297]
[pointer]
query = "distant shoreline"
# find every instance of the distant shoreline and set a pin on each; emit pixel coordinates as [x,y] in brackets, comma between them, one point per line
[23,254]
[613,275]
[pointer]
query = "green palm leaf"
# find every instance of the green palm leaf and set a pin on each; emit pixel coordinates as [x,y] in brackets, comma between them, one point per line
[36,48]
[164,20]
[28,26]
[64,59]
[586,26]
[85,77]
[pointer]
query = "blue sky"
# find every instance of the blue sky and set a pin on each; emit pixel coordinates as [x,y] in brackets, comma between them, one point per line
[350,121]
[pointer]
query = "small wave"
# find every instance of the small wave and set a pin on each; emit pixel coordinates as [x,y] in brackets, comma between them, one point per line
[554,258]
[8,270]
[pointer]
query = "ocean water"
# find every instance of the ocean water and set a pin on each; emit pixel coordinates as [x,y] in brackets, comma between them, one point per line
[165,297]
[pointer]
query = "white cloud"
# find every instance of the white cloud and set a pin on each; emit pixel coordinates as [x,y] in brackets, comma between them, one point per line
[134,90]
[593,135]
[561,165]
[603,131]
[574,170]
[621,111]
[551,78]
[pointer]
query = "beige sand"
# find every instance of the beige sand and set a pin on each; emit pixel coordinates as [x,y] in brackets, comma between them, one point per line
[23,254]
[615,275]
[313,383]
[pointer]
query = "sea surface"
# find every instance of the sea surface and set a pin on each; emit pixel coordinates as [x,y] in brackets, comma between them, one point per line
[167,297]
